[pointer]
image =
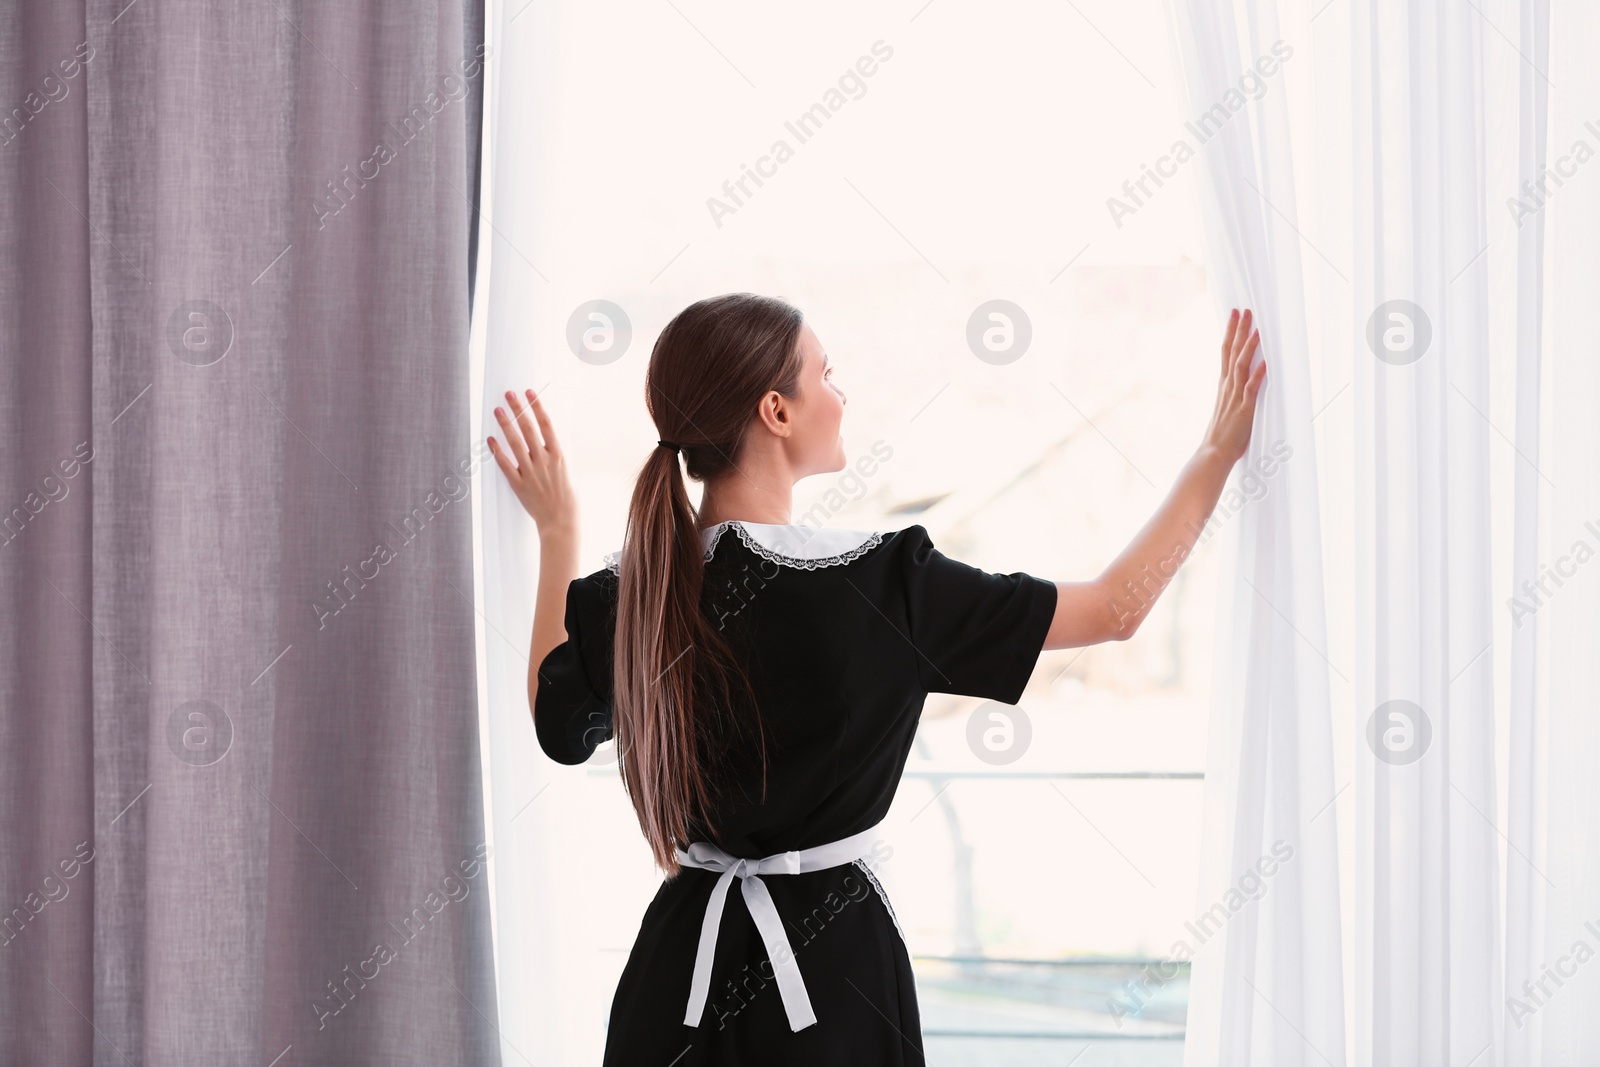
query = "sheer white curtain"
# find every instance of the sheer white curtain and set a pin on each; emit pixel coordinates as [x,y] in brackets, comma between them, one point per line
[1266,987]
[1553,898]
[543,909]
[1427,864]
[1469,387]
[1526,811]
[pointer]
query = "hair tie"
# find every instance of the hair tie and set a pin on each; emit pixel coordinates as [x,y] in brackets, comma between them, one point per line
[669,444]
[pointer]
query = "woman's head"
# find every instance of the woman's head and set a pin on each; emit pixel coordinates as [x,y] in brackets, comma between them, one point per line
[741,383]
[741,380]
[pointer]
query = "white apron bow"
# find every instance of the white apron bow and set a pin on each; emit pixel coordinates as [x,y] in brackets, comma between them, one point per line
[786,972]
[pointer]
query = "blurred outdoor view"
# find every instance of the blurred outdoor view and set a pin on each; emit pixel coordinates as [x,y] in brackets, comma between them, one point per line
[973,164]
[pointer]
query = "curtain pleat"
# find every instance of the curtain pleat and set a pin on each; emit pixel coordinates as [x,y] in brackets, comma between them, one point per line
[1266,983]
[548,930]
[47,453]
[1551,997]
[1528,723]
[1428,869]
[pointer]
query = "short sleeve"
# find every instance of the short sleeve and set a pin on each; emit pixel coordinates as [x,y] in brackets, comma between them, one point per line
[572,706]
[977,633]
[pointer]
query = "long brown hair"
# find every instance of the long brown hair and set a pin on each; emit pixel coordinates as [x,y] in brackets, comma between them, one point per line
[678,726]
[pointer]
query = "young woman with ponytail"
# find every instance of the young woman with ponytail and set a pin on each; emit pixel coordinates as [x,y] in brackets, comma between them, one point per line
[763,681]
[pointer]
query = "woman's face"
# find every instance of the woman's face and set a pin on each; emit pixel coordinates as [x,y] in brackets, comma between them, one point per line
[815,445]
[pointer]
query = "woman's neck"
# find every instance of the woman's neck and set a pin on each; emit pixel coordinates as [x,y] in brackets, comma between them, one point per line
[749,506]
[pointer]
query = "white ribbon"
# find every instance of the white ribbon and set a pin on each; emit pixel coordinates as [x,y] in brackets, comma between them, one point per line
[786,972]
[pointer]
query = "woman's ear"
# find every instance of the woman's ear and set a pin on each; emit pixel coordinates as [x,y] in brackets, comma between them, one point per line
[774,411]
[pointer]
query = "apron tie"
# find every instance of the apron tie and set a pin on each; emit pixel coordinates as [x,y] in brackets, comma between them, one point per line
[786,972]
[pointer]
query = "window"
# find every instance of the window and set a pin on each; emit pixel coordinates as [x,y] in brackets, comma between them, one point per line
[936,159]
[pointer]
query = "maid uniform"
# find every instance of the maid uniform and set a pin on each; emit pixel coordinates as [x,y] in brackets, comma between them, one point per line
[843,634]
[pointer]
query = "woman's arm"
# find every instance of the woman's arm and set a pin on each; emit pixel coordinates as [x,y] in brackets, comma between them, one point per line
[558,566]
[537,470]
[1111,607]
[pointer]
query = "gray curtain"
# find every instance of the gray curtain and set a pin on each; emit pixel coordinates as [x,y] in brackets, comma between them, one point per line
[240,810]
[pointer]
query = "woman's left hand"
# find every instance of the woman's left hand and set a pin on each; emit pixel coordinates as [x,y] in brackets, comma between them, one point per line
[535,466]
[1235,413]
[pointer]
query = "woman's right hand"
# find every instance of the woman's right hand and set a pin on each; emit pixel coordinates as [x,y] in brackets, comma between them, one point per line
[534,464]
[1235,412]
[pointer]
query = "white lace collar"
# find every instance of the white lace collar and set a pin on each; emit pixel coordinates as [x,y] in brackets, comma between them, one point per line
[788,544]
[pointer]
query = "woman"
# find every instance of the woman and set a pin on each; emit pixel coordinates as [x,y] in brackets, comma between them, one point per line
[764,679]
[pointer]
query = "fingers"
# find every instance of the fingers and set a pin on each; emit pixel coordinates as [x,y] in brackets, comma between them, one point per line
[503,460]
[1245,343]
[1257,376]
[530,436]
[513,436]
[547,431]
[522,439]
[1227,341]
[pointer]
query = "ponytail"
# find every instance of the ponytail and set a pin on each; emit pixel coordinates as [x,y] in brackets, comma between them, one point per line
[684,708]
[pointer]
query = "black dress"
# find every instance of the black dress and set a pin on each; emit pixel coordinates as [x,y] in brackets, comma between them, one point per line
[843,633]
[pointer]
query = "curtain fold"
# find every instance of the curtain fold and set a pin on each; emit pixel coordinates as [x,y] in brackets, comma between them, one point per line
[1427,865]
[1266,983]
[545,916]
[239,771]
[1526,812]
[47,450]
[1552,980]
